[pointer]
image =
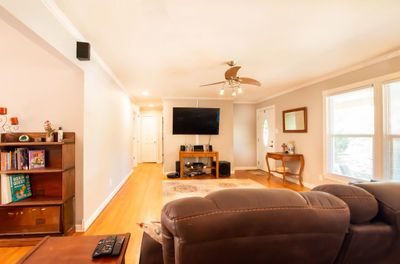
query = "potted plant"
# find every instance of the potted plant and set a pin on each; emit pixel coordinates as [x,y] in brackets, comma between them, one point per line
[49,131]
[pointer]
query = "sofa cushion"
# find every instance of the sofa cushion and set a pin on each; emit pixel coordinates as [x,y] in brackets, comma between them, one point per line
[388,196]
[363,205]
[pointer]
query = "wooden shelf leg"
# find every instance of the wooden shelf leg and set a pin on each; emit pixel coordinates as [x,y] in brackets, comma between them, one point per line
[269,169]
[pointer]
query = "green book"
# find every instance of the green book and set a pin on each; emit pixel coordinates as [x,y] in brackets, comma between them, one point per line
[20,187]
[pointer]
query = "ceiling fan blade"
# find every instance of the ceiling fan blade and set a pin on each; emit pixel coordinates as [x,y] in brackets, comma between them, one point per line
[251,81]
[212,83]
[231,73]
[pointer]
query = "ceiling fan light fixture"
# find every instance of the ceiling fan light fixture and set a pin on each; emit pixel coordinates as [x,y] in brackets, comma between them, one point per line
[240,90]
[233,93]
[222,91]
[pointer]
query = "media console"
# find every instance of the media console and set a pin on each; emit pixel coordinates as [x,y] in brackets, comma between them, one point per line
[199,154]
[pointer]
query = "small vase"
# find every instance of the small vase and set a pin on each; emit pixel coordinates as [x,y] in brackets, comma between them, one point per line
[50,138]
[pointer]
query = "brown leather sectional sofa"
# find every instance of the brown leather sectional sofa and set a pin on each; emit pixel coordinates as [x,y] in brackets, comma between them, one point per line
[331,224]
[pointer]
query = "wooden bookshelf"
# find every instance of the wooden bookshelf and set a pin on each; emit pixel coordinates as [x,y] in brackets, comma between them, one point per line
[50,209]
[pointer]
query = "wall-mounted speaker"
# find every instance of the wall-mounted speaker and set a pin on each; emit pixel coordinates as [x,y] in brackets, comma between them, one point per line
[83,51]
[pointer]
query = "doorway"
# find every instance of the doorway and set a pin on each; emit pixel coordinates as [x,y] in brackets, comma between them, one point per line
[149,138]
[265,135]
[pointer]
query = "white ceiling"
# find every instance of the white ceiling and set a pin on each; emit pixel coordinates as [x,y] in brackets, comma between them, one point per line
[170,47]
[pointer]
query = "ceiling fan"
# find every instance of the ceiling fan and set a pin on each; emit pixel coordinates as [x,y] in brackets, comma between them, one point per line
[233,81]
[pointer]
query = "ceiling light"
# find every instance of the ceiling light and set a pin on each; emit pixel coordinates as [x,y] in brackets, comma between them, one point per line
[222,91]
[233,93]
[240,90]
[145,93]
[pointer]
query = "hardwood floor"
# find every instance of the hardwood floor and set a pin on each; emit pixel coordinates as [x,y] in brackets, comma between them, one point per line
[140,199]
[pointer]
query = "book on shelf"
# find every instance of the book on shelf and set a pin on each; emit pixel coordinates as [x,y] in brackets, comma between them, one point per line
[36,159]
[16,159]
[15,187]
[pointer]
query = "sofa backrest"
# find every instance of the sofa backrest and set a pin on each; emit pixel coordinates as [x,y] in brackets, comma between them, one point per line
[254,226]
[363,205]
[373,236]
[388,196]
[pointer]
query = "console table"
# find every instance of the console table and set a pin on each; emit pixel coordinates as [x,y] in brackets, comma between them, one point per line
[199,154]
[284,157]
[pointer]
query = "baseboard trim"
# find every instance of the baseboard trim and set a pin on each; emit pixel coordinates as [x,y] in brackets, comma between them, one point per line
[246,168]
[306,184]
[90,220]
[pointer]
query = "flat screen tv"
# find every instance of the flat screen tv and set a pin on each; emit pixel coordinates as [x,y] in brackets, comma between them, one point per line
[195,121]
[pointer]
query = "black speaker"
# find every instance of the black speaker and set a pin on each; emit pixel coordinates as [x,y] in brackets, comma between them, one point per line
[178,167]
[182,148]
[224,168]
[83,51]
[172,175]
[198,148]
[210,148]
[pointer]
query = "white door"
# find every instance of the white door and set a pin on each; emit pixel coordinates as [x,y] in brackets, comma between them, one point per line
[149,138]
[265,135]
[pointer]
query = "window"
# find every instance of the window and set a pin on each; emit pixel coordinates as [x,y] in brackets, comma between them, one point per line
[265,133]
[350,133]
[392,135]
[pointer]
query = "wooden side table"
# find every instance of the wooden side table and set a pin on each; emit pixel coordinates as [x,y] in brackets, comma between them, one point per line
[285,157]
[199,154]
[71,249]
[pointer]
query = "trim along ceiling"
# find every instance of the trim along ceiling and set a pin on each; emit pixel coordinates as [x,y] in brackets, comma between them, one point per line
[169,48]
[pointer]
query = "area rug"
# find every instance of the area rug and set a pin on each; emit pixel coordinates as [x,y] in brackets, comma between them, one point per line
[176,189]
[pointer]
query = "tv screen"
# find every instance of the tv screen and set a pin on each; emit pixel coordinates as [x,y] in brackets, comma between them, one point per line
[195,121]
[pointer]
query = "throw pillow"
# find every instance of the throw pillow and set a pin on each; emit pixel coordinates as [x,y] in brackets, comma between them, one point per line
[153,229]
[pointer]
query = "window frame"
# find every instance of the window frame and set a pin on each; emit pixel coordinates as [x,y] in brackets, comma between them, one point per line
[380,154]
[388,138]
[328,136]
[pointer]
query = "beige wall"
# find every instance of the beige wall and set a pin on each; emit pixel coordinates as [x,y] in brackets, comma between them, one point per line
[311,144]
[244,136]
[37,84]
[223,143]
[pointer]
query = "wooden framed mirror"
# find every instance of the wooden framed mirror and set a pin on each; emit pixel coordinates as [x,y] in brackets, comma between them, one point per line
[295,120]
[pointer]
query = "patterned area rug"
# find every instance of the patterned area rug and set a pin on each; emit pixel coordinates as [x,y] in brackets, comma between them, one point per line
[176,189]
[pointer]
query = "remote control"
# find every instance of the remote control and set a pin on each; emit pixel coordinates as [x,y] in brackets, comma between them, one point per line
[104,247]
[97,250]
[118,246]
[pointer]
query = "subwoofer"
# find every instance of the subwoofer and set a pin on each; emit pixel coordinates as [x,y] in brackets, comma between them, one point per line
[178,167]
[224,168]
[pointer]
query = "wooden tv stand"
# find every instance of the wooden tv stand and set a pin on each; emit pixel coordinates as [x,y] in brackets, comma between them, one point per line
[199,154]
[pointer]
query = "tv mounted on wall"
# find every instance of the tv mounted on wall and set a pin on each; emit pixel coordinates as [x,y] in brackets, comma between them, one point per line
[195,121]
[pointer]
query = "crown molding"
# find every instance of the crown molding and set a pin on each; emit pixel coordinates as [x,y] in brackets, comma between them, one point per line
[69,26]
[358,66]
[196,98]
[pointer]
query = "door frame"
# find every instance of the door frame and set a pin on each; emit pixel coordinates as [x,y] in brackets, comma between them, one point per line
[258,111]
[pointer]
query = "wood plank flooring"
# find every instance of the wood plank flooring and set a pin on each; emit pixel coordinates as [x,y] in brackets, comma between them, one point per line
[140,199]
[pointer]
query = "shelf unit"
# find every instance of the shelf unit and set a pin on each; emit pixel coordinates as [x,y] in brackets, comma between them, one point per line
[51,208]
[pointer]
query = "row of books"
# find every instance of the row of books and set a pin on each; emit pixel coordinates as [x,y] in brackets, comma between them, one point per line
[22,159]
[15,187]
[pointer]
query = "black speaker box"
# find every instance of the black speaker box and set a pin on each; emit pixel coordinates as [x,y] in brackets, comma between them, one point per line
[182,148]
[83,51]
[224,168]
[198,148]
[173,175]
[178,167]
